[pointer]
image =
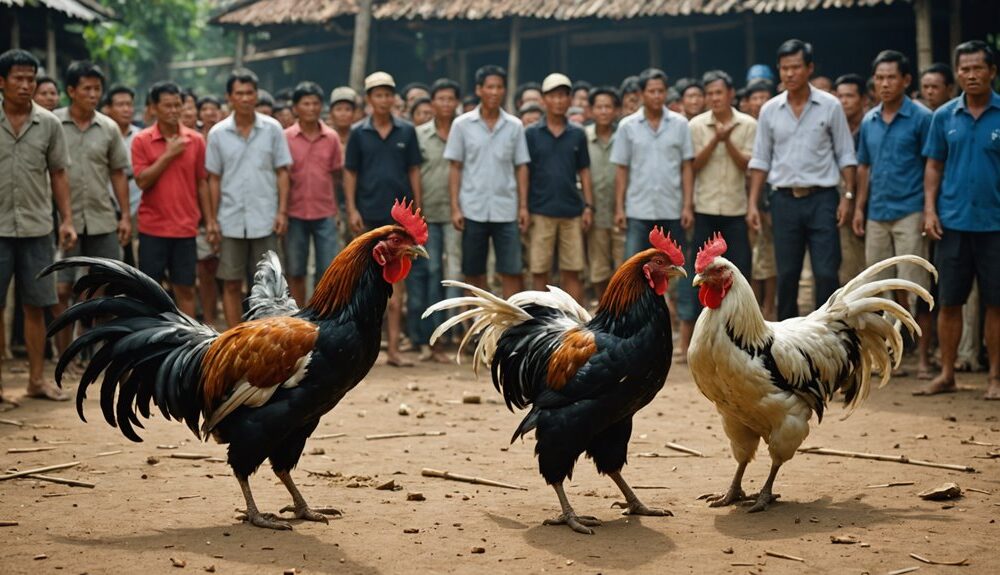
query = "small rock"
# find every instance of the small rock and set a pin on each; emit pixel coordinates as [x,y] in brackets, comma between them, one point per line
[942,492]
[921,436]
[415,497]
[951,418]
[472,399]
[317,451]
[411,530]
[412,387]
[152,460]
[570,562]
[478,550]
[728,550]
[179,563]
[843,539]
[291,571]
[210,569]
[387,486]
[41,556]
[404,409]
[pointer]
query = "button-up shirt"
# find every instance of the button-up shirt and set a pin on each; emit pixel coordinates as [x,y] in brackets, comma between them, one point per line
[249,185]
[170,208]
[654,161]
[434,174]
[894,154]
[602,177]
[95,152]
[25,161]
[382,166]
[311,196]
[806,151]
[969,199]
[720,185]
[488,192]
[555,162]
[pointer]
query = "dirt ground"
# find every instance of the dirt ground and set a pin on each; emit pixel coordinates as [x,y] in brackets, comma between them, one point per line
[142,517]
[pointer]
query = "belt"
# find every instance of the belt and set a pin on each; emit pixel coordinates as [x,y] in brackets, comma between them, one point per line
[803,191]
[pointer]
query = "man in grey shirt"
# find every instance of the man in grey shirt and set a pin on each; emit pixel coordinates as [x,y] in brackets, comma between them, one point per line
[247,161]
[803,148]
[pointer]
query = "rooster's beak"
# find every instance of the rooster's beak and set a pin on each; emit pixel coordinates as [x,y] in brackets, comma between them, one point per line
[417,251]
[696,281]
[678,271]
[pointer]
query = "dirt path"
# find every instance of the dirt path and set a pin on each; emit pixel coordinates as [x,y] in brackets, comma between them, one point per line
[140,515]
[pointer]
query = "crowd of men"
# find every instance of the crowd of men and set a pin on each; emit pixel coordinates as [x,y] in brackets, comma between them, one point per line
[573,177]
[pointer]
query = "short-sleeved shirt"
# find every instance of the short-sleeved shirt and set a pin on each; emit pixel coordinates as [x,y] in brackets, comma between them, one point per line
[806,151]
[382,166]
[95,152]
[25,161]
[170,208]
[134,191]
[654,161]
[488,192]
[720,186]
[313,165]
[248,201]
[894,154]
[602,177]
[436,207]
[969,199]
[555,162]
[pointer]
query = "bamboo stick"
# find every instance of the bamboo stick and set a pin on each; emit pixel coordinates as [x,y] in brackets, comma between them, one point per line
[192,456]
[468,479]
[38,470]
[9,523]
[893,458]
[961,563]
[61,481]
[682,449]
[29,449]
[328,436]
[784,556]
[405,434]
[12,422]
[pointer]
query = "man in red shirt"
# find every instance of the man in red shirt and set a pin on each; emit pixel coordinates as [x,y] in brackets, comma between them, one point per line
[312,198]
[168,160]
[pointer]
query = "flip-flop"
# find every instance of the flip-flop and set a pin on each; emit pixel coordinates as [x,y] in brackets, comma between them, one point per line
[398,363]
[929,392]
[49,392]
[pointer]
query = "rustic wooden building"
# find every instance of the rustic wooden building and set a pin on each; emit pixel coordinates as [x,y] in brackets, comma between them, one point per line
[40,26]
[602,41]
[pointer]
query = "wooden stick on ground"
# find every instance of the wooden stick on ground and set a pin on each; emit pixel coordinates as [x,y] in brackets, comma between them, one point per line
[60,480]
[12,422]
[9,524]
[784,556]
[107,453]
[891,484]
[961,563]
[468,479]
[904,570]
[405,434]
[38,470]
[682,449]
[29,449]
[192,456]
[893,458]
[328,436]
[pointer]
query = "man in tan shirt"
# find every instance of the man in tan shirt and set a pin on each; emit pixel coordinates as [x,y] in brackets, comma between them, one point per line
[723,141]
[32,154]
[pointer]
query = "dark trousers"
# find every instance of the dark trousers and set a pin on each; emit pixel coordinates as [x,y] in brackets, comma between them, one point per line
[734,230]
[800,222]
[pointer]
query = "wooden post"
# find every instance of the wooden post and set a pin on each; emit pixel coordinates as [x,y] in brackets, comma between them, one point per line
[514,60]
[463,71]
[749,39]
[359,54]
[655,48]
[955,25]
[15,29]
[51,65]
[241,48]
[925,52]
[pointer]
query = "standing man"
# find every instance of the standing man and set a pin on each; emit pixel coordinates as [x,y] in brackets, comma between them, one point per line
[631,95]
[962,208]
[764,270]
[382,166]
[803,148]
[121,108]
[891,183]
[654,183]
[488,181]
[169,163]
[692,94]
[852,91]
[605,240]
[33,159]
[247,161]
[723,141]
[312,198]
[443,242]
[937,85]
[559,214]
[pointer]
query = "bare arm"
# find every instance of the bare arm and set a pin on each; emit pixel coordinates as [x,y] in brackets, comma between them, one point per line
[148,178]
[757,178]
[60,194]
[588,198]
[214,193]
[702,157]
[418,193]
[687,189]
[741,159]
[860,201]
[844,211]
[208,212]
[119,183]
[281,218]
[454,185]
[932,185]
[621,184]
[354,220]
[522,195]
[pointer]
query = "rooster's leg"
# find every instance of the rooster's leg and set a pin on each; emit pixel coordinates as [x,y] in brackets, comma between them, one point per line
[632,504]
[578,523]
[765,497]
[299,505]
[735,493]
[255,517]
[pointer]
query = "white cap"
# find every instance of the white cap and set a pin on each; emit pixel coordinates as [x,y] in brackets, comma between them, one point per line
[556,80]
[343,94]
[379,79]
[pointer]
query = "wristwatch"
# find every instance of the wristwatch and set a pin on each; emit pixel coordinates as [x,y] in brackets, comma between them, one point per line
[849,195]
[588,207]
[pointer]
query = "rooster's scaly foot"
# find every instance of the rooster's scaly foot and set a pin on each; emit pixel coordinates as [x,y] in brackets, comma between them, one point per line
[578,523]
[309,514]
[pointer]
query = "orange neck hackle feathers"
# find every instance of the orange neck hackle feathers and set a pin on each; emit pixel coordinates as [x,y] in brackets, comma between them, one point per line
[667,245]
[627,284]
[411,221]
[714,247]
[338,284]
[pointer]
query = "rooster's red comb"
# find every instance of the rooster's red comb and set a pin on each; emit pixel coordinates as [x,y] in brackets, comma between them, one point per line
[666,245]
[411,220]
[714,247]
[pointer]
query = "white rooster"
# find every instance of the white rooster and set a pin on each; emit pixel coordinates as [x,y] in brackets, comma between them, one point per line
[767,378]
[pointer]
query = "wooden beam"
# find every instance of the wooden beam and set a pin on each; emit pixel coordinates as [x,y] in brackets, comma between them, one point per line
[259,56]
[241,48]
[925,52]
[513,60]
[359,52]
[51,65]
[624,34]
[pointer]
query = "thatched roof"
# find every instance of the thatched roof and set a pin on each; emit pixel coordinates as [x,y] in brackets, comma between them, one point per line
[276,12]
[86,10]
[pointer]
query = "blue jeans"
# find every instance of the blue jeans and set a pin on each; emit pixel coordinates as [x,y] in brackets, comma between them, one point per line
[323,233]
[637,240]
[799,222]
[423,286]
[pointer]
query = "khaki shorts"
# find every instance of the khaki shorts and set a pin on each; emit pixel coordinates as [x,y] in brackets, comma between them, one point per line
[543,234]
[762,261]
[884,240]
[606,252]
[238,257]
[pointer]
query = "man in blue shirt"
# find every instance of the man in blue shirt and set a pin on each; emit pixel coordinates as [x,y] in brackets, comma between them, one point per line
[962,207]
[891,183]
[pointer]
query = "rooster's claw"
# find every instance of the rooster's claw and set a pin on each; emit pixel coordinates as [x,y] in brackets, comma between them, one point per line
[762,501]
[320,514]
[578,523]
[265,520]
[641,509]
[729,498]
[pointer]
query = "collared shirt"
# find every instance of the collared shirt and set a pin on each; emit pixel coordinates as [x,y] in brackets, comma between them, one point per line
[969,199]
[555,162]
[170,209]
[95,153]
[134,191]
[311,196]
[25,162]
[894,154]
[654,161]
[489,185]
[382,166]
[602,177]
[434,174]
[720,186]
[248,202]
[806,151]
